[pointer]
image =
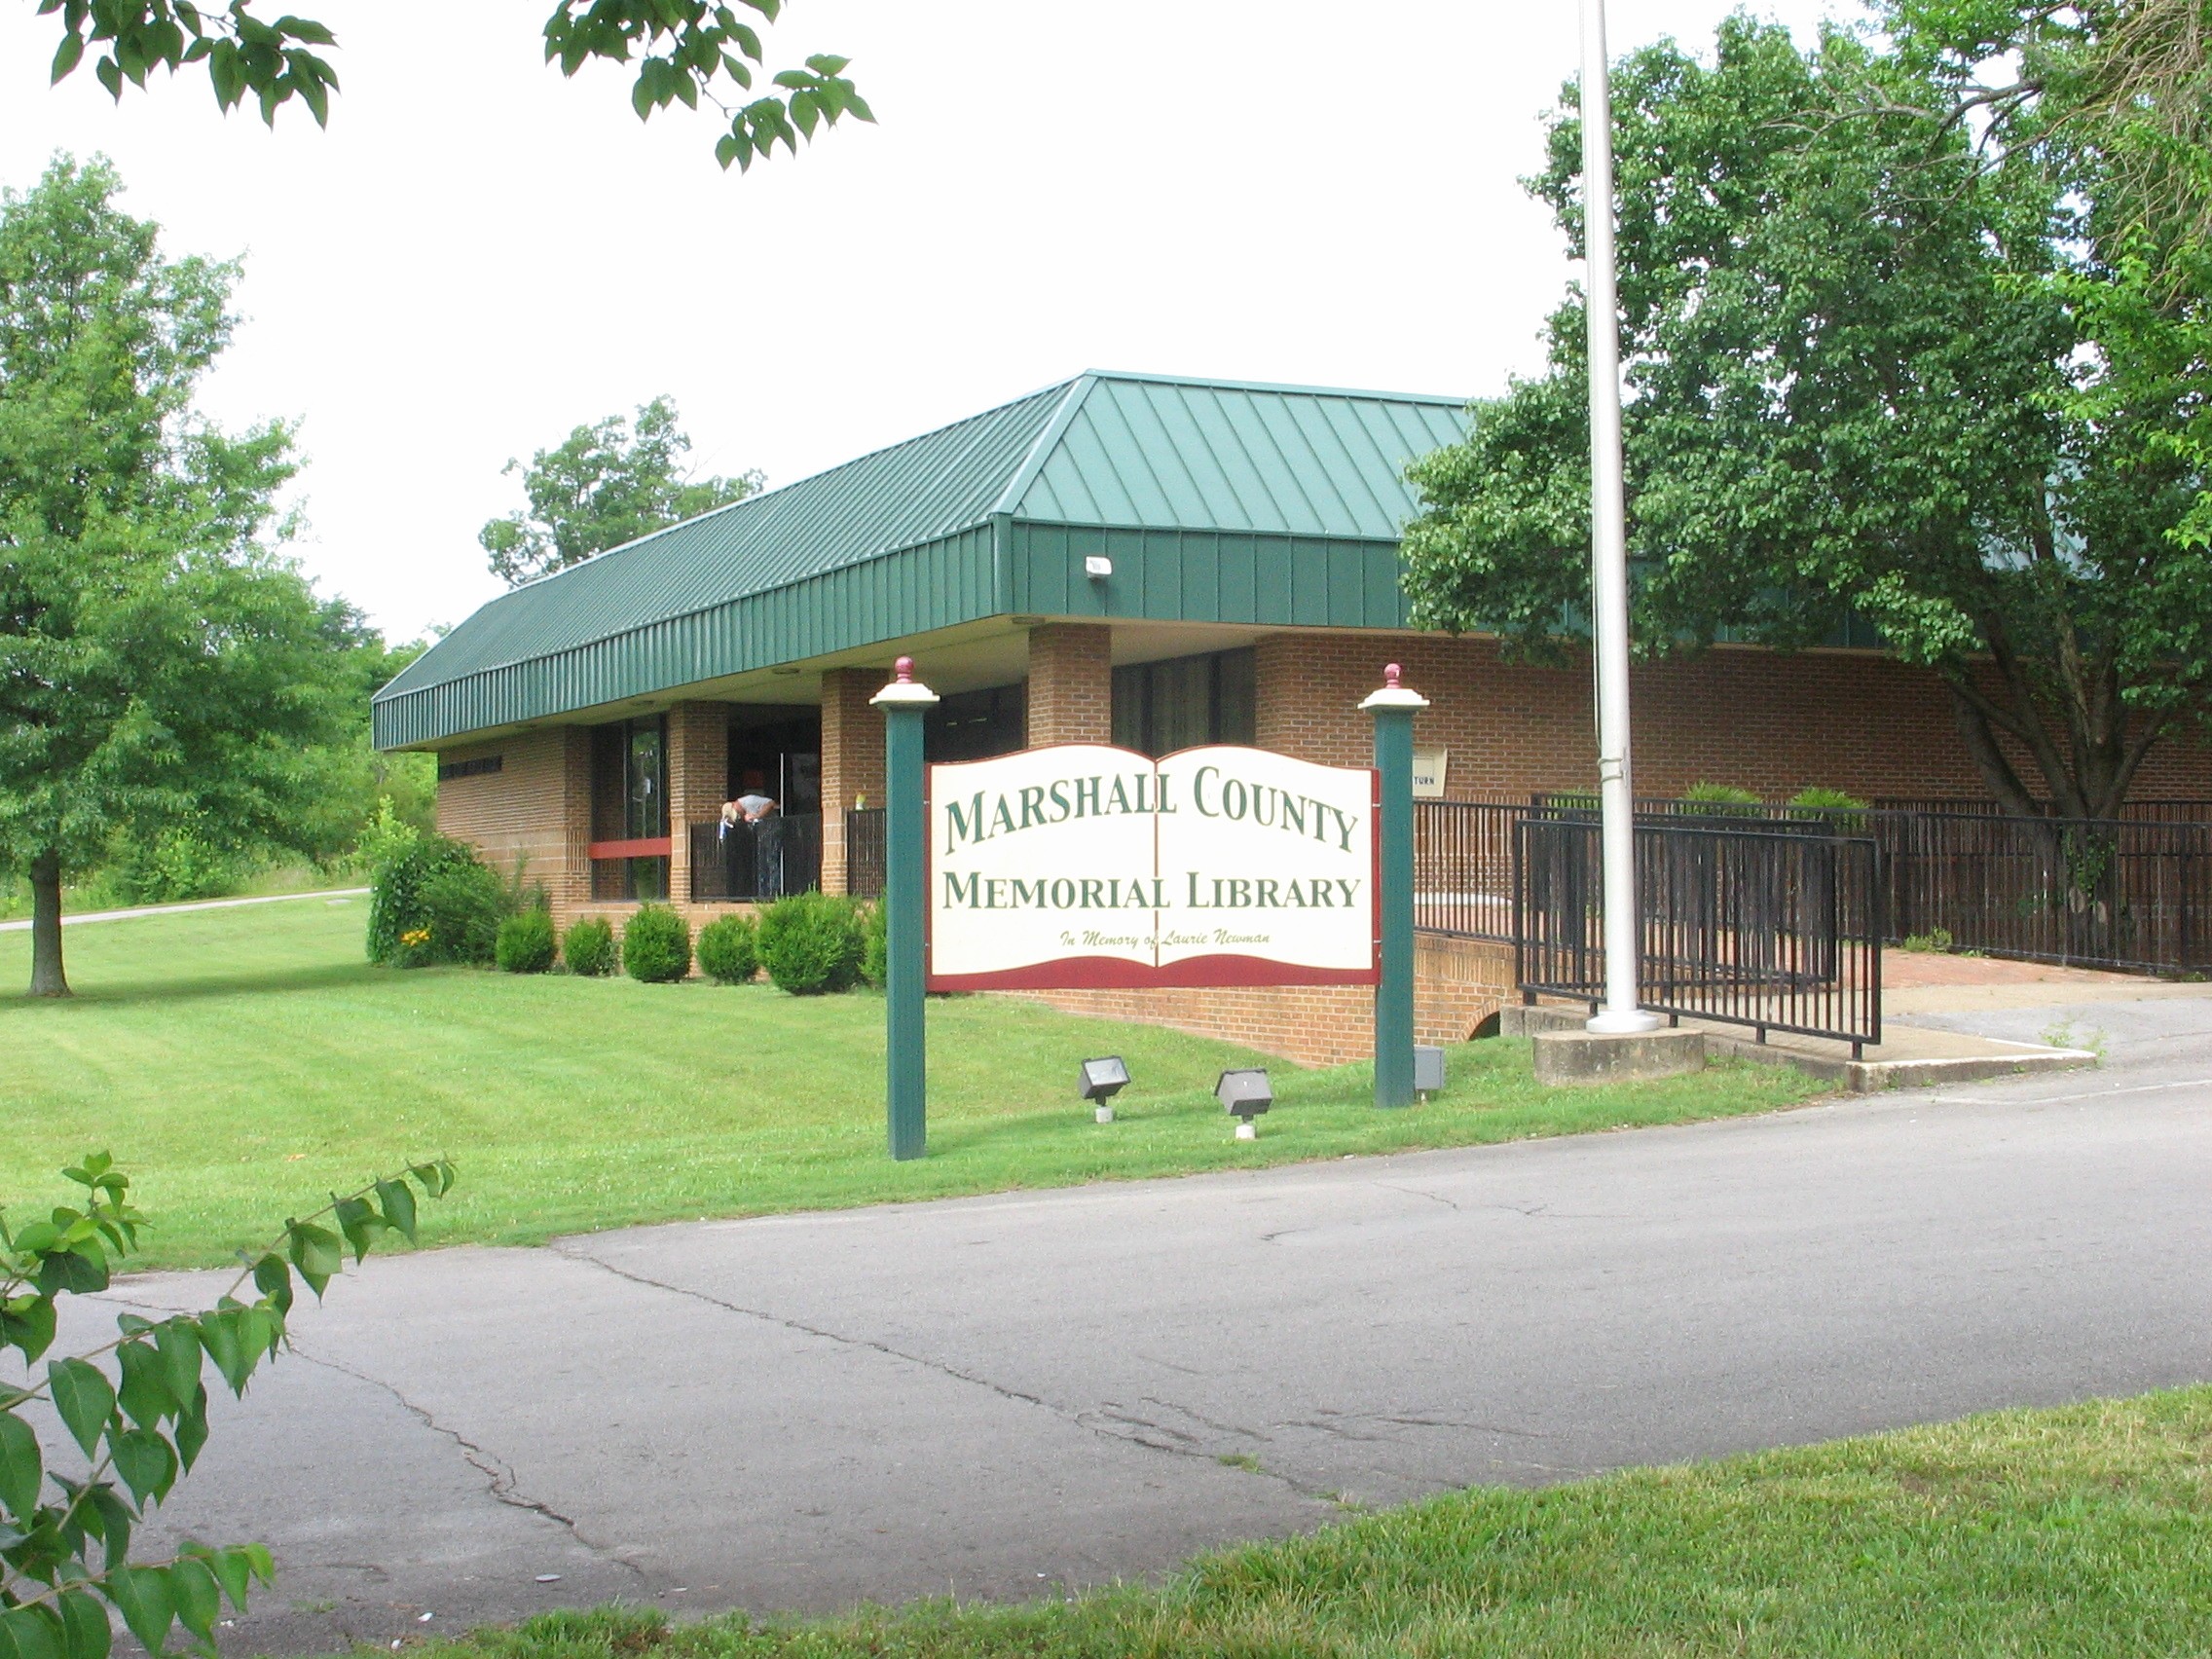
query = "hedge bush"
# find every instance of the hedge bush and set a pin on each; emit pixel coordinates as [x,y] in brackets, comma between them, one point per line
[464,905]
[811,942]
[525,943]
[729,952]
[656,945]
[433,901]
[588,947]
[1721,794]
[876,952]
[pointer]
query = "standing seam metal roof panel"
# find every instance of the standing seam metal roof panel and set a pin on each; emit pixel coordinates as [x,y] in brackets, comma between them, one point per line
[1318,471]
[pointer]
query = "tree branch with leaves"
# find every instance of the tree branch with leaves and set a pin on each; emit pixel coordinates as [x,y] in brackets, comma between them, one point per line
[135,1408]
[686,51]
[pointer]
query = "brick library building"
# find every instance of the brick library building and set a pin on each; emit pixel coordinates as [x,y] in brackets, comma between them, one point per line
[1150,562]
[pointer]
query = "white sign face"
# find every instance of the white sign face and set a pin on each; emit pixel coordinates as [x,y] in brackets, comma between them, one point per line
[1428,773]
[1088,865]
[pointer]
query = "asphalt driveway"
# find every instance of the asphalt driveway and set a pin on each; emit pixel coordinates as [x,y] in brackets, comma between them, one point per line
[1008,1396]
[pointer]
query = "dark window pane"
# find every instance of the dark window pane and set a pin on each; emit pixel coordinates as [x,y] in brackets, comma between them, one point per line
[1131,684]
[1238,700]
[647,803]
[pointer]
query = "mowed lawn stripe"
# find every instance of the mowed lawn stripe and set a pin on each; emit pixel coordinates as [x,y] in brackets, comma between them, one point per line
[245,1063]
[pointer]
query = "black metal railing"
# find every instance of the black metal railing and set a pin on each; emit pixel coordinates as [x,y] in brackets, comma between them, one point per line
[2128,893]
[1463,868]
[865,852]
[2131,812]
[748,862]
[1773,927]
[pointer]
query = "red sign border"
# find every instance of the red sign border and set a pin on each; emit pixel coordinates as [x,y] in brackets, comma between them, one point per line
[1216,971]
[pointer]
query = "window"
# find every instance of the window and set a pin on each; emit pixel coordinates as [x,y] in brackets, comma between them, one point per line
[629,803]
[482,767]
[1160,707]
[975,725]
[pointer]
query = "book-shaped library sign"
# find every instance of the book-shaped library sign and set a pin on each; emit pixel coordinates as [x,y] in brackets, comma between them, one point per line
[1083,866]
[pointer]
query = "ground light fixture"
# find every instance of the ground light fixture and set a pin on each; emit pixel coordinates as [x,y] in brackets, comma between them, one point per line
[1245,1094]
[1100,1081]
[1428,1070]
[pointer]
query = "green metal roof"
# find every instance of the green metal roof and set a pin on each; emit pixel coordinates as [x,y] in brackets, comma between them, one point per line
[974,520]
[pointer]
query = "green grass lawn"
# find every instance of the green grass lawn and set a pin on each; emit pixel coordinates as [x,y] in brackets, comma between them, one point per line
[2087,1531]
[244,1062]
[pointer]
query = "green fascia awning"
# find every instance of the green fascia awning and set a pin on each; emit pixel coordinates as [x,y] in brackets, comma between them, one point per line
[1218,502]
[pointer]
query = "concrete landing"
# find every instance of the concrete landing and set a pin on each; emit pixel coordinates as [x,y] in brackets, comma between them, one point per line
[1572,1056]
[1911,1056]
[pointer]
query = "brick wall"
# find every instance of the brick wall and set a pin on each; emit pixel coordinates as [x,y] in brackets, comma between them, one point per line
[1071,683]
[1458,984]
[698,781]
[852,759]
[538,807]
[1841,720]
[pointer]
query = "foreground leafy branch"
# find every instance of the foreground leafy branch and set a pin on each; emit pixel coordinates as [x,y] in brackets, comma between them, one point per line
[685,50]
[137,1409]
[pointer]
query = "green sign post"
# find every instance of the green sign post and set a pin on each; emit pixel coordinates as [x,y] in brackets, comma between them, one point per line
[905,833]
[1393,707]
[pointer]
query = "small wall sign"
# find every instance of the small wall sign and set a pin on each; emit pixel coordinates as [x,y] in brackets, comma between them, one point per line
[1087,865]
[1428,773]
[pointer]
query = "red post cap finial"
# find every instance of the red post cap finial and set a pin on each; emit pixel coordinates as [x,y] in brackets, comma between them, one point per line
[1390,676]
[904,668]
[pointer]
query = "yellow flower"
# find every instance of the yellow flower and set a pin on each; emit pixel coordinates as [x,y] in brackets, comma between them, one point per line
[416,938]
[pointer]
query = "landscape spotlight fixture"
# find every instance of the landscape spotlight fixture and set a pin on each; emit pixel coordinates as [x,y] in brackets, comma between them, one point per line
[1100,1081]
[1428,1070]
[1245,1094]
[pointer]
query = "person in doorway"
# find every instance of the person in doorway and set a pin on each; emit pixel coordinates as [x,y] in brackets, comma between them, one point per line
[755,808]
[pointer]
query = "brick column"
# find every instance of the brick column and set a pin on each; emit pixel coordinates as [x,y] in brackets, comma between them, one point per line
[568,884]
[852,759]
[698,782]
[1071,683]
[1282,710]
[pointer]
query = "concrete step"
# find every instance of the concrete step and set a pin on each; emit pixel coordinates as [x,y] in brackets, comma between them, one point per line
[1910,1056]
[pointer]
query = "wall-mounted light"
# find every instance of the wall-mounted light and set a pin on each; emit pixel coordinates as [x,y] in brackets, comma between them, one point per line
[1097,566]
[1245,1094]
[1100,1081]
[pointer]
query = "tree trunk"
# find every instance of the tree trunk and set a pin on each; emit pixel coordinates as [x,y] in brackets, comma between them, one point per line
[2095,785]
[47,978]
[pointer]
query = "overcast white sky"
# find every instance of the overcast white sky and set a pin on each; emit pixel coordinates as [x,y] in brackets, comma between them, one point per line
[479,255]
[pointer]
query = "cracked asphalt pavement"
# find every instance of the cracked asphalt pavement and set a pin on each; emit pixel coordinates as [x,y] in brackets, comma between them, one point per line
[1018,1395]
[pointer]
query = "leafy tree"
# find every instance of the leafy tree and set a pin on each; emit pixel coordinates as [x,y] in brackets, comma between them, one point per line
[606,484]
[1856,358]
[132,1414]
[691,51]
[160,663]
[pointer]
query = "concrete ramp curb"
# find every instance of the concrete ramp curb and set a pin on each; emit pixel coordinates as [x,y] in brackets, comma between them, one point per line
[1913,1057]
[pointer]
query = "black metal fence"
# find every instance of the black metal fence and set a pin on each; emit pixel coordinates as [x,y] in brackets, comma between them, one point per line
[2133,893]
[865,852]
[2125,894]
[1774,928]
[1463,868]
[744,863]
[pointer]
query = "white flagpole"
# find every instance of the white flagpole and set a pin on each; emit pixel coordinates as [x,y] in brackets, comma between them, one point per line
[1608,539]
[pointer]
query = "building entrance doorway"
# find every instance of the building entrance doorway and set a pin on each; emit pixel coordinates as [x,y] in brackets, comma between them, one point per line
[775,752]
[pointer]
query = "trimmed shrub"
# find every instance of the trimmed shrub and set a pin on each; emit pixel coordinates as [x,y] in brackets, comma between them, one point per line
[811,942]
[525,943]
[424,881]
[877,950]
[656,945]
[1720,795]
[588,949]
[464,906]
[1818,799]
[730,950]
